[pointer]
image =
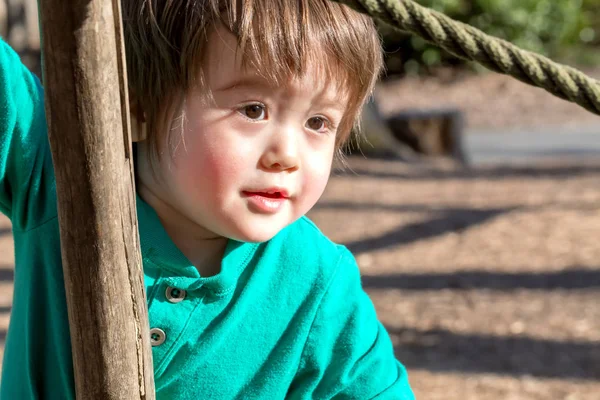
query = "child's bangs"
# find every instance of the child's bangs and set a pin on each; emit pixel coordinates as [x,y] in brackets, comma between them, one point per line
[281,39]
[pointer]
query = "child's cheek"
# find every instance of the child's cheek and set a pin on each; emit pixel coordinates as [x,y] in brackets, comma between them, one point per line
[213,170]
[314,183]
[319,182]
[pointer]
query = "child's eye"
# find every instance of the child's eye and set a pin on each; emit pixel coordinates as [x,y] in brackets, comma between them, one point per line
[317,123]
[254,111]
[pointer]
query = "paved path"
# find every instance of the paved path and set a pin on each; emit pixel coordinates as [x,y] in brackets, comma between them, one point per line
[521,146]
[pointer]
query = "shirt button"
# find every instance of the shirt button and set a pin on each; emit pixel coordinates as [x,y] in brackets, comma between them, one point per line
[174,295]
[157,336]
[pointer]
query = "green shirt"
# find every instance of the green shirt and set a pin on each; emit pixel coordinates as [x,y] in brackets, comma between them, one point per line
[283,319]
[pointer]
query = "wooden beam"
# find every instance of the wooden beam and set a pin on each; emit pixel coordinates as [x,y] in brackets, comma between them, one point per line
[87,114]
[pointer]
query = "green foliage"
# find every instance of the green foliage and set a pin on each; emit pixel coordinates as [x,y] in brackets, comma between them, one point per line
[556,28]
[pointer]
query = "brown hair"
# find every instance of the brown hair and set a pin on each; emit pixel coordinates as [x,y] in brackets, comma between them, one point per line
[165,42]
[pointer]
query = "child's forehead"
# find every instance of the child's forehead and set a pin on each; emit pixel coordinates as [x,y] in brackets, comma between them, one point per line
[225,68]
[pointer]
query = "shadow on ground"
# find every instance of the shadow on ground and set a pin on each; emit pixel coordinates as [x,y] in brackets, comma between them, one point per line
[442,221]
[495,173]
[444,351]
[440,350]
[568,279]
[6,273]
[454,220]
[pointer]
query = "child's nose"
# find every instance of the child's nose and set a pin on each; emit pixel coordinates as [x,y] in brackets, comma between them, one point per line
[281,153]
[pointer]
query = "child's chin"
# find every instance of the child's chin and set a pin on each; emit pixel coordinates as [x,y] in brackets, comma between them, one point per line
[256,235]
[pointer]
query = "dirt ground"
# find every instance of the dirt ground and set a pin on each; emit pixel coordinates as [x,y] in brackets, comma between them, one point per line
[487,279]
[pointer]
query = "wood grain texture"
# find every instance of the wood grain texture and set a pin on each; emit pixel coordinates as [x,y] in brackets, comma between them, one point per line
[86,110]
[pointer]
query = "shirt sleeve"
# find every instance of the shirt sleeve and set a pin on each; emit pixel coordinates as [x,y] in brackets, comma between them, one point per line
[25,159]
[348,353]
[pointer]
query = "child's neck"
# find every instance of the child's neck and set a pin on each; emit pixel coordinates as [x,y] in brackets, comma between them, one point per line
[204,254]
[204,249]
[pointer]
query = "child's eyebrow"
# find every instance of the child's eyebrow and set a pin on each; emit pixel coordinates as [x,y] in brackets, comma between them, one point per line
[331,105]
[336,104]
[242,83]
[257,83]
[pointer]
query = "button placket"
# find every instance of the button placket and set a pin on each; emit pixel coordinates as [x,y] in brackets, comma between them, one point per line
[169,315]
[164,355]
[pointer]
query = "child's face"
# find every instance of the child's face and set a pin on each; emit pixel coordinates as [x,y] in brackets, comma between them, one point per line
[256,159]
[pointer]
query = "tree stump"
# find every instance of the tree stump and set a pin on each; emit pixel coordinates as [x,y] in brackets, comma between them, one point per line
[411,134]
[434,133]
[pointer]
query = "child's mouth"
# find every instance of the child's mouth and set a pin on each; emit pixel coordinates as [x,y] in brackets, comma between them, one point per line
[268,193]
[276,195]
[266,202]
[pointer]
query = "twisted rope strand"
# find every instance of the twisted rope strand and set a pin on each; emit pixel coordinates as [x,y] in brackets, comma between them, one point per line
[471,44]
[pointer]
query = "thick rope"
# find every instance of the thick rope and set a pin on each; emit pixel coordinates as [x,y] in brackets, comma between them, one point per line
[468,43]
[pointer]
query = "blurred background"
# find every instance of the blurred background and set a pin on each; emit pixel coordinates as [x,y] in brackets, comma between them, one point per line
[472,206]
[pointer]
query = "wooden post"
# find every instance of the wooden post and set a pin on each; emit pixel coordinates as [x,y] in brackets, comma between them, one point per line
[87,114]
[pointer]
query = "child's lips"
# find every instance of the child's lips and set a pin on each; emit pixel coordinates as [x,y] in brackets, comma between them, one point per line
[266,201]
[271,193]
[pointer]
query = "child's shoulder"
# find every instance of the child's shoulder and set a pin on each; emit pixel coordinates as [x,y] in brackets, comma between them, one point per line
[304,235]
[305,226]
[304,244]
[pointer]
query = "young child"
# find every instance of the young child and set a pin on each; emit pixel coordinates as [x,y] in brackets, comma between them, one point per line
[239,109]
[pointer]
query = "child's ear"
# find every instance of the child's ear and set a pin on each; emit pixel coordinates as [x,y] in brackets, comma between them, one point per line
[139,130]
